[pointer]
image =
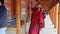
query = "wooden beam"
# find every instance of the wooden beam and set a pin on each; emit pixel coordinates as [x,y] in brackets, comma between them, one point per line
[48,0]
[11,29]
[18,9]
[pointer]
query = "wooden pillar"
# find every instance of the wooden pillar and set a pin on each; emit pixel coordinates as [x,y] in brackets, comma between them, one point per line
[18,9]
[9,4]
[52,13]
[25,26]
[11,13]
[59,20]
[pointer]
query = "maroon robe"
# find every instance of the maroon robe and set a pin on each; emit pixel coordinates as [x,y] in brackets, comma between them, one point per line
[36,21]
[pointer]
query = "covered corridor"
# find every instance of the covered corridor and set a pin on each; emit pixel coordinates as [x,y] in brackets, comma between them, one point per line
[19,16]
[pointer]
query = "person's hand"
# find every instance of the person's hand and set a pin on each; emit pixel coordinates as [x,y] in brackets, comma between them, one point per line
[39,6]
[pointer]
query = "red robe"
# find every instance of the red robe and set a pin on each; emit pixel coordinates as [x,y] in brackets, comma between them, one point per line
[36,21]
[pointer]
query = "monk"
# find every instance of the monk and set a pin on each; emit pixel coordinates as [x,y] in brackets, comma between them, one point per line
[37,18]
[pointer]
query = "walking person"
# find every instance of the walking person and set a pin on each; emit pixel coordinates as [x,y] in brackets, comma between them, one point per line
[3,18]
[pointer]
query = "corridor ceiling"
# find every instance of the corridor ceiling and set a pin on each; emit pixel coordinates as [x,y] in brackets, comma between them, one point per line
[48,4]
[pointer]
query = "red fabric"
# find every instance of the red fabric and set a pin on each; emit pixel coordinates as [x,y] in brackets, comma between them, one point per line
[36,21]
[41,18]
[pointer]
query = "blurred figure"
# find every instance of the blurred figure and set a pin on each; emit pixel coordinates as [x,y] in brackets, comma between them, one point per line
[37,18]
[3,17]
